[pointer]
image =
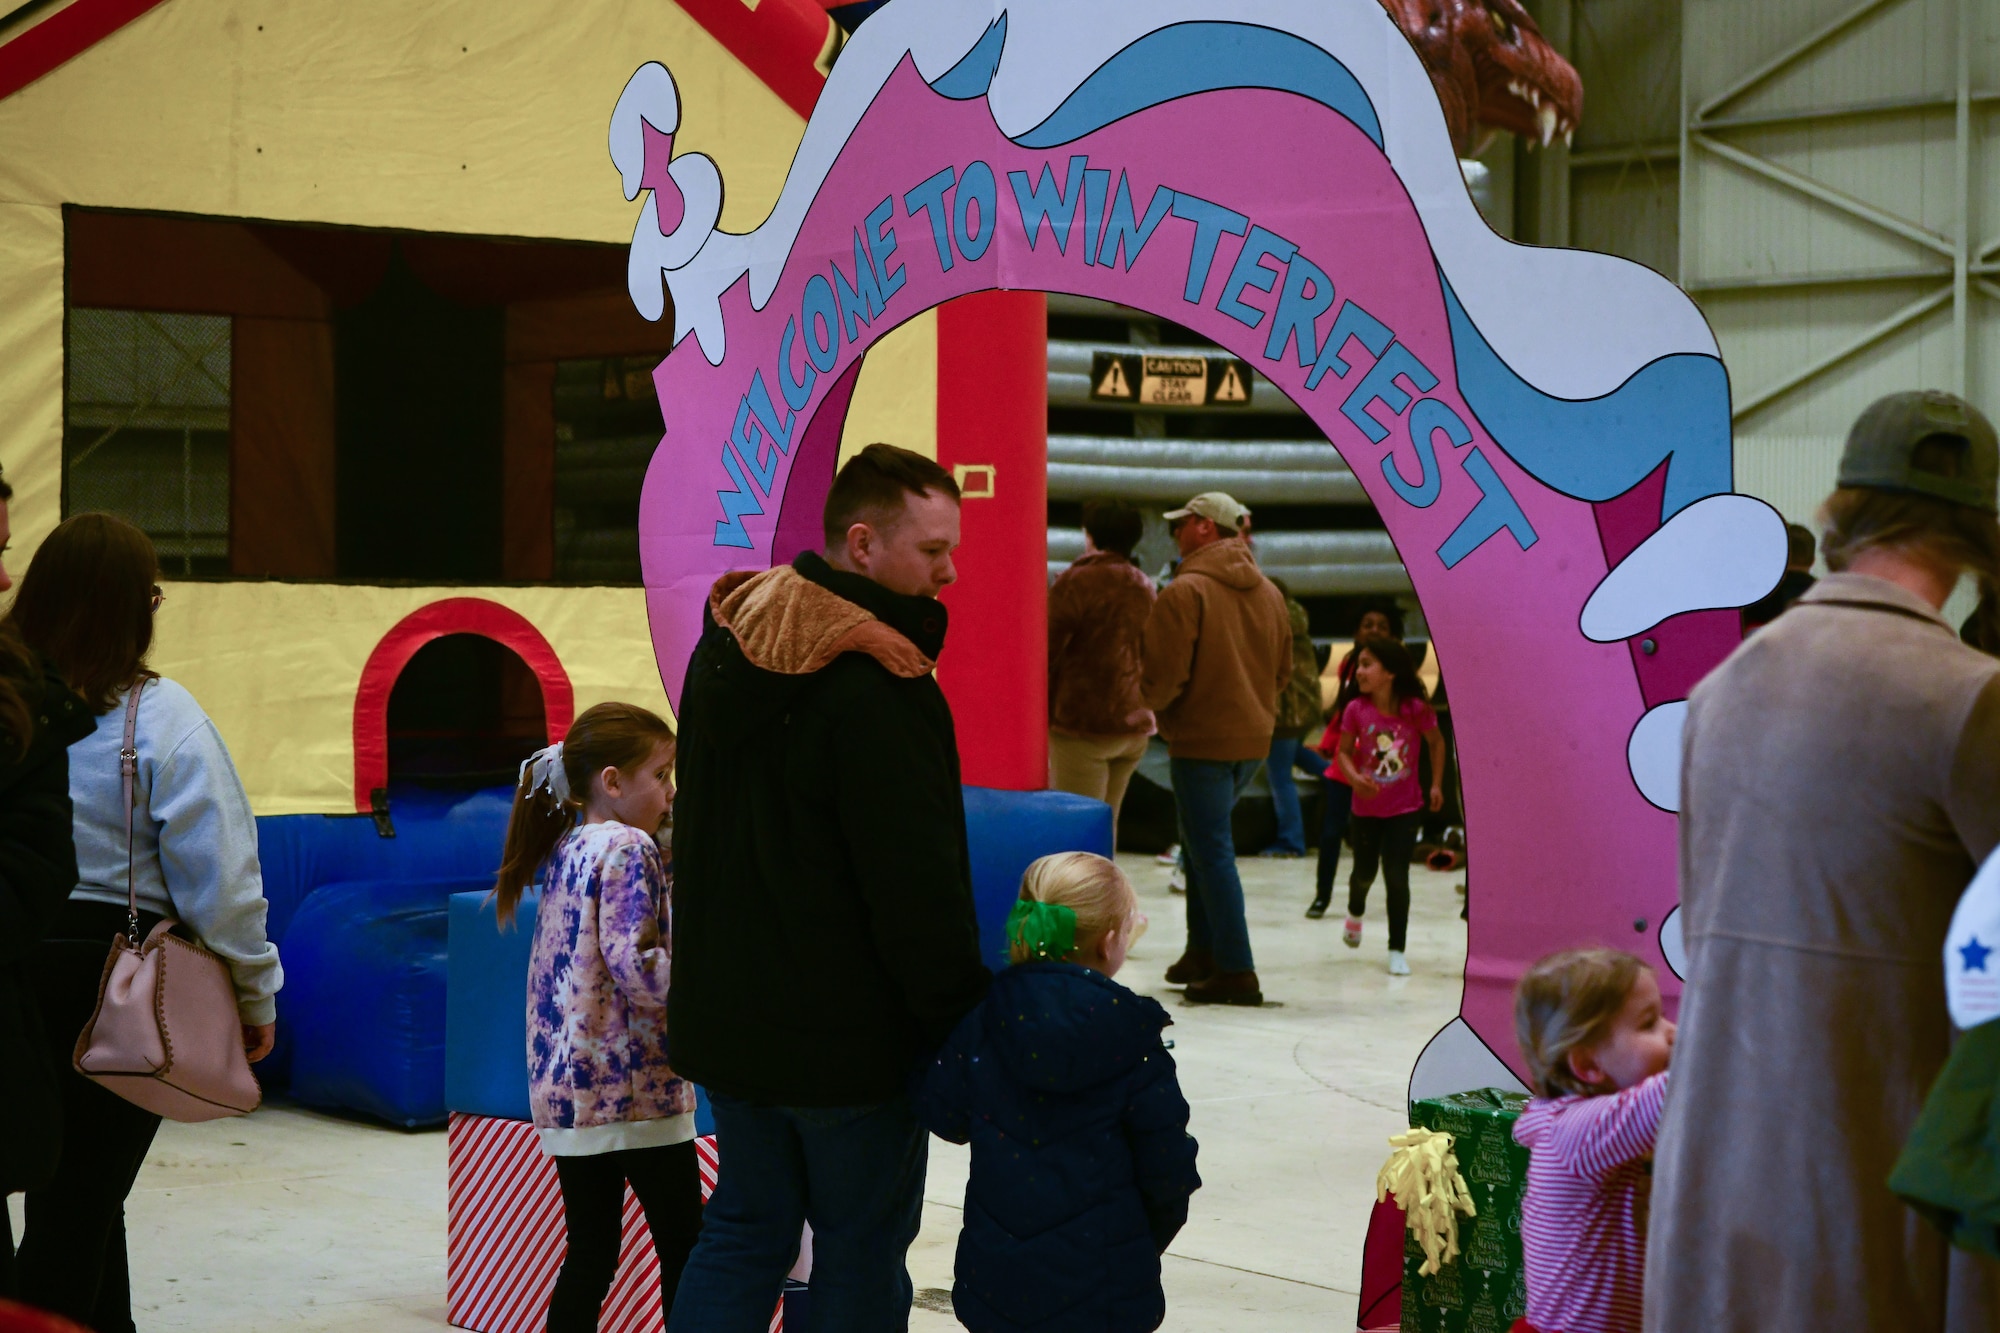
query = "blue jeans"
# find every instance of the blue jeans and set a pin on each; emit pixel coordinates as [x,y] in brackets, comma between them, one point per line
[1205,790]
[1285,752]
[855,1172]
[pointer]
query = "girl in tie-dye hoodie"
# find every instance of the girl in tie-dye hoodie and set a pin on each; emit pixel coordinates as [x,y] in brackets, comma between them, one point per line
[609,1109]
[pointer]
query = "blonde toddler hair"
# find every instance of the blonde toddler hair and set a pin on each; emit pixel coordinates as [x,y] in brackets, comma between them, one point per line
[1090,886]
[1568,1001]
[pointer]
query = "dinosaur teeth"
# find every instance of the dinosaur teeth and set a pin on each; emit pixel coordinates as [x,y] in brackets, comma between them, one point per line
[1569,132]
[1548,119]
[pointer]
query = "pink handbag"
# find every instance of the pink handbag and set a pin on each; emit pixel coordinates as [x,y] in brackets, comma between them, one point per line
[166,1036]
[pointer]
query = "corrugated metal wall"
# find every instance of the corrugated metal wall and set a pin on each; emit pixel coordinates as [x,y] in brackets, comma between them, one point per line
[1841,202]
[1823,175]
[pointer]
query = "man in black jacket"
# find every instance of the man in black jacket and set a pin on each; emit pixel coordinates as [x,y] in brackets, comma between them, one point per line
[824,937]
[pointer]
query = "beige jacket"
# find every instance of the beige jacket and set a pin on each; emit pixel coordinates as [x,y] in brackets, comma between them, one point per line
[1840,780]
[1218,651]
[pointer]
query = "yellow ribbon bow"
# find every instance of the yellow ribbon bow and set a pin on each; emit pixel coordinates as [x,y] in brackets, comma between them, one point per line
[1423,1175]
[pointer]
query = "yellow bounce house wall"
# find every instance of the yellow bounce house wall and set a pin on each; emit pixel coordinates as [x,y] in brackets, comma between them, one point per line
[445,117]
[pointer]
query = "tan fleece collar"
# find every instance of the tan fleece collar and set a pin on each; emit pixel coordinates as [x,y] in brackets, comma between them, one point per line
[786,623]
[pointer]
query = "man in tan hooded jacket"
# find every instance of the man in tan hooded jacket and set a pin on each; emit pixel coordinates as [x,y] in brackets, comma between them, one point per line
[1218,652]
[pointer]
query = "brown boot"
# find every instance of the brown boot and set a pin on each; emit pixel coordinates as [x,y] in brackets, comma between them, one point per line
[1225,988]
[1193,965]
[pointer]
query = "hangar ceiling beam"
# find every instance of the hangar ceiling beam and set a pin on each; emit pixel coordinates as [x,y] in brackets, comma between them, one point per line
[1961,260]
[1867,338]
[1826,194]
[1789,55]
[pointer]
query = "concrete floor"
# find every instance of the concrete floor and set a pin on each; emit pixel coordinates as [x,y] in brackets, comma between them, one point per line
[293,1220]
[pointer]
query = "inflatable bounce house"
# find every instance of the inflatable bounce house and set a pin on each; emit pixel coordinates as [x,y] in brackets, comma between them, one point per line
[341,306]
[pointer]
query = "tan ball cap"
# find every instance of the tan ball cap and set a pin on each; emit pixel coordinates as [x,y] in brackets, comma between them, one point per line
[1218,506]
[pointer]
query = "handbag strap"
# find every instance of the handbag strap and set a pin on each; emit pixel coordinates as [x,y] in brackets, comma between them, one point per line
[128,768]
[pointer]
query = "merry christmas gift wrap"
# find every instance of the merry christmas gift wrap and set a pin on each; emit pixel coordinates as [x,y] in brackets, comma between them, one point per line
[1484,1289]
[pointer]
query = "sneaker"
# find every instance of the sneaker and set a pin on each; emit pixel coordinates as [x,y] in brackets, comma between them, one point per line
[1192,965]
[1280,854]
[1399,966]
[1177,881]
[1225,988]
[1350,932]
[1318,909]
[1170,857]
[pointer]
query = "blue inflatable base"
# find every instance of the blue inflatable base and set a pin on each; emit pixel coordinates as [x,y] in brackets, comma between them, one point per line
[364,998]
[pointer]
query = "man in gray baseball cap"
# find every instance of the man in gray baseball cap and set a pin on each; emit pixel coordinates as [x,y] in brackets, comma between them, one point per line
[1840,779]
[1924,443]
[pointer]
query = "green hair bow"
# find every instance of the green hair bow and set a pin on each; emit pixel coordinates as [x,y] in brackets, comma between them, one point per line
[1045,930]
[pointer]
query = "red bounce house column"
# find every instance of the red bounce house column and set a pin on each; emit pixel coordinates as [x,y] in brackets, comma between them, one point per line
[993,433]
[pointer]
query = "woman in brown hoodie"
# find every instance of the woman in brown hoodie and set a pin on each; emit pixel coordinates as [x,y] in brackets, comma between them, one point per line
[1098,728]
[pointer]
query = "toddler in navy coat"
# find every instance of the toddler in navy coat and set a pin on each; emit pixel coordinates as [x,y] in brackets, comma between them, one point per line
[1081,1160]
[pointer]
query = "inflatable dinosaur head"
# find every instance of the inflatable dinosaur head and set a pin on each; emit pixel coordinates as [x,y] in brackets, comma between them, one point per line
[1492,68]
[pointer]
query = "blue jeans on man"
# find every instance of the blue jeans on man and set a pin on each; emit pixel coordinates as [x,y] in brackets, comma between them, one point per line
[1205,790]
[1287,752]
[856,1173]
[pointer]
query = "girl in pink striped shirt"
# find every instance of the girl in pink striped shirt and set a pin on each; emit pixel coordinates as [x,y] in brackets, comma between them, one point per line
[1596,1044]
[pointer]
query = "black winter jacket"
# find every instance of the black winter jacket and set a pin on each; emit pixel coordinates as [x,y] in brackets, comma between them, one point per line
[1081,1160]
[37,874]
[824,937]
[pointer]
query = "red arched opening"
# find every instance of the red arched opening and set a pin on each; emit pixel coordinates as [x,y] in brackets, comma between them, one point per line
[453,615]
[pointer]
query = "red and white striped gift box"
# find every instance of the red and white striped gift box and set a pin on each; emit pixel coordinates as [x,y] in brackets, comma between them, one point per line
[505,1241]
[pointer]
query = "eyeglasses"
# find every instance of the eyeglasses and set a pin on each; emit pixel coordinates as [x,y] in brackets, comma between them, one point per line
[159,595]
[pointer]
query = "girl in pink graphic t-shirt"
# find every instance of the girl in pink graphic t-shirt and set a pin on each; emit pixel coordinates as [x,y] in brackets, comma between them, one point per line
[1379,734]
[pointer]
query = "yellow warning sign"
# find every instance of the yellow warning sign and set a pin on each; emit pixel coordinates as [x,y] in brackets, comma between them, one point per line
[1231,388]
[1139,379]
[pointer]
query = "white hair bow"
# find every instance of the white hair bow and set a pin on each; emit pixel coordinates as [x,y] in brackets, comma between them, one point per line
[544,768]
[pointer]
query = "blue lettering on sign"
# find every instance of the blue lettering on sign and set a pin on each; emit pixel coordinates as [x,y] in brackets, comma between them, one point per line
[1047,203]
[1249,271]
[797,392]
[1122,233]
[882,248]
[977,188]
[736,505]
[1210,221]
[1095,185]
[1379,385]
[928,198]
[861,300]
[1304,298]
[1351,322]
[820,312]
[1426,418]
[1496,509]
[749,439]
[766,411]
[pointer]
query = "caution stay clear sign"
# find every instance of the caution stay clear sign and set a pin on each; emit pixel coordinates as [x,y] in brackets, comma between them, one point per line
[1136,379]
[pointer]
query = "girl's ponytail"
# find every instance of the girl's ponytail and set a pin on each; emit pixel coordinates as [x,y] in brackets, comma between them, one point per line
[555,784]
[537,824]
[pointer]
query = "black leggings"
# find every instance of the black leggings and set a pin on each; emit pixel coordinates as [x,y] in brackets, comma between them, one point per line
[1336,799]
[1388,841]
[668,1183]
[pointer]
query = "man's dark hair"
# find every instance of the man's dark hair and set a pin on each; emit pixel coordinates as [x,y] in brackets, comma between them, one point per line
[872,486]
[1113,525]
[1800,546]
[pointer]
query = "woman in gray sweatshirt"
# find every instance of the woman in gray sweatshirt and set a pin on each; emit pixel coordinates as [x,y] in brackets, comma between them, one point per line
[86,605]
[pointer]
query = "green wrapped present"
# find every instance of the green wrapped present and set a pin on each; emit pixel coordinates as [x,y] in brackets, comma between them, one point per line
[1485,1289]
